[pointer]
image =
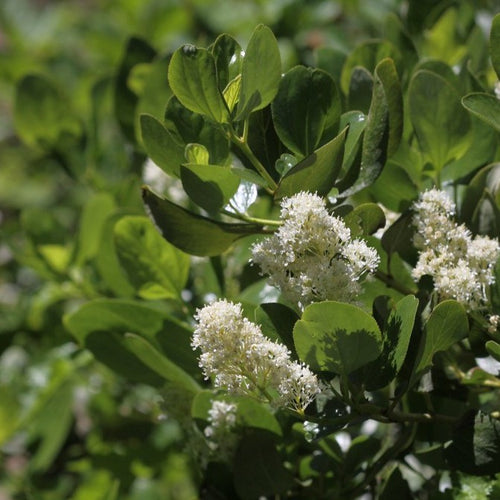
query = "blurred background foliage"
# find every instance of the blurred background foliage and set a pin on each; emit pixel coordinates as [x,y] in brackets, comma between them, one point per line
[69,426]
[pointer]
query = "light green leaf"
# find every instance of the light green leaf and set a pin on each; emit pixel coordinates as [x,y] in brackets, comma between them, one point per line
[485,106]
[315,173]
[209,186]
[493,349]
[446,325]
[193,79]
[260,72]
[154,266]
[161,146]
[336,337]
[159,363]
[306,109]
[193,233]
[365,219]
[197,154]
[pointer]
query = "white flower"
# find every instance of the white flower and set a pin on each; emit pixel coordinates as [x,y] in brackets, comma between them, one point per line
[219,432]
[461,265]
[243,361]
[311,257]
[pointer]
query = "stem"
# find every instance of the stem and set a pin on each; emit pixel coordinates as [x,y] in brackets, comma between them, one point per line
[243,145]
[253,220]
[391,282]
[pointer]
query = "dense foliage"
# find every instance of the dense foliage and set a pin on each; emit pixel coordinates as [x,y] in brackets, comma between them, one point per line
[250,251]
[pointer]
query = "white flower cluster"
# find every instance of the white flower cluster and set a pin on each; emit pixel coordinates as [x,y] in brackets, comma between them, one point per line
[311,257]
[243,361]
[460,265]
[222,419]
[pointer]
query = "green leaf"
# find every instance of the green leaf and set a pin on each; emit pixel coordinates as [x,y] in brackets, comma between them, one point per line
[100,326]
[193,233]
[317,172]
[362,449]
[156,268]
[306,109]
[396,339]
[192,76]
[159,363]
[352,158]
[187,127]
[197,154]
[106,260]
[260,72]
[43,115]
[137,51]
[336,337]
[395,486]
[384,126]
[446,325]
[434,107]
[228,56]
[367,55]
[249,412]
[495,44]
[360,90]
[480,207]
[485,106]
[161,146]
[258,469]
[95,213]
[493,349]
[475,447]
[365,219]
[209,186]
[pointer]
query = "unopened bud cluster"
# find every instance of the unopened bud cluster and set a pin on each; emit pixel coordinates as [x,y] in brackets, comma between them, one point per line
[242,360]
[312,257]
[462,266]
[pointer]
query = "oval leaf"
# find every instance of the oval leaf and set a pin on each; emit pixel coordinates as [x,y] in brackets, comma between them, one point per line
[336,337]
[317,173]
[193,79]
[485,106]
[193,233]
[260,72]
[307,108]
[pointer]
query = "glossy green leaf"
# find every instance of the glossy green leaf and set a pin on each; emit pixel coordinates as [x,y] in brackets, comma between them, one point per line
[315,173]
[209,186]
[260,72]
[475,447]
[137,51]
[384,126]
[396,339]
[232,93]
[365,219]
[434,106]
[485,106]
[306,109]
[258,468]
[249,411]
[360,90]
[193,233]
[42,114]
[495,44]
[187,127]
[228,56]
[161,146]
[336,337]
[156,268]
[192,76]
[356,120]
[446,325]
[159,363]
